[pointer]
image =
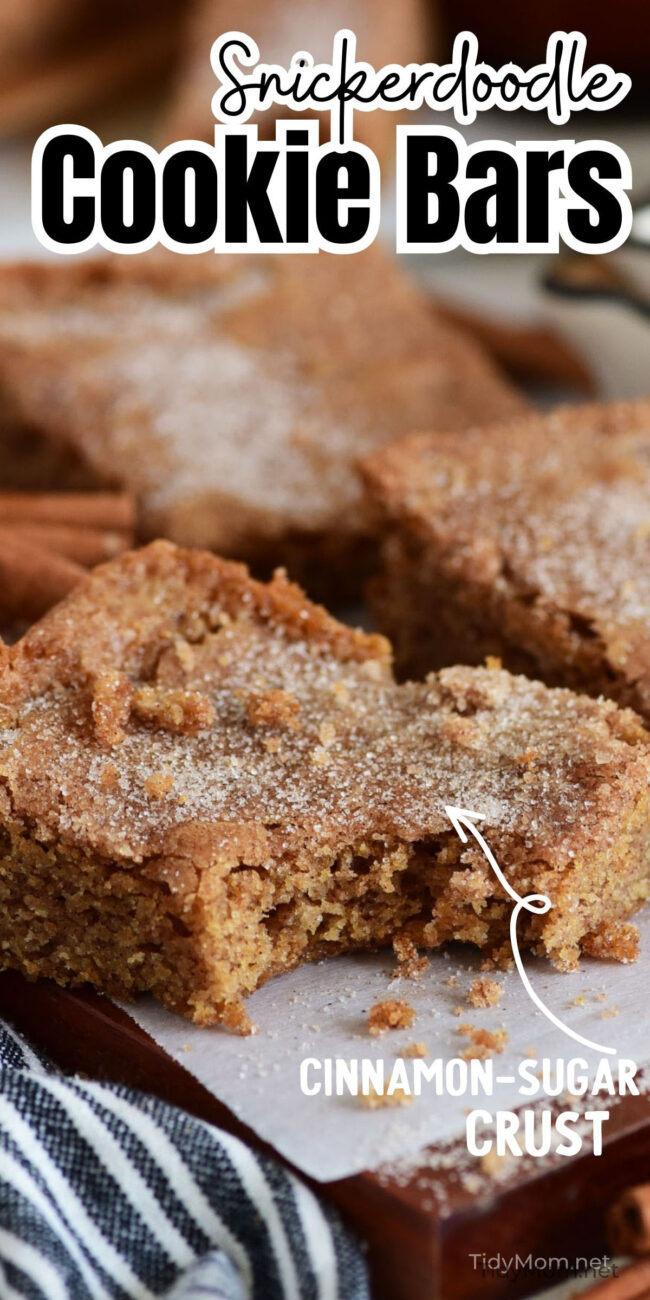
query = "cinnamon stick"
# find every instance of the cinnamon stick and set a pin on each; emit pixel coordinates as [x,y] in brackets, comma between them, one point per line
[628,1222]
[87,546]
[114,511]
[33,579]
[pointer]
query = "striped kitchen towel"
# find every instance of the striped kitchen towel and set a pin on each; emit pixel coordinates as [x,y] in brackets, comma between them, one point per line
[107,1194]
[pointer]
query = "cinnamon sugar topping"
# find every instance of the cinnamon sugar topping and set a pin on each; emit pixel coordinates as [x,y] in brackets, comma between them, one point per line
[217,842]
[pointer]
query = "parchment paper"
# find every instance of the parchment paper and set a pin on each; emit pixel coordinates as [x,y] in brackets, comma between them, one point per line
[319,1011]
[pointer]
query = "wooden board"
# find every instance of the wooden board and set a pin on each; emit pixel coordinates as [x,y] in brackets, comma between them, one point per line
[418,1250]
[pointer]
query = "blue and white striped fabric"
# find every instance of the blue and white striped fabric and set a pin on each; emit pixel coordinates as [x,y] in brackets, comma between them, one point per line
[107,1194]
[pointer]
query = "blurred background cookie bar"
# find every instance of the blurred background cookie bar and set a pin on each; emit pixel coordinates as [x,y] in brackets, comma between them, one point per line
[529,542]
[233,397]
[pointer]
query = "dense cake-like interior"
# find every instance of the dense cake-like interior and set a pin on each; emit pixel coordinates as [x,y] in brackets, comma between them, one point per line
[233,395]
[386,34]
[205,780]
[530,542]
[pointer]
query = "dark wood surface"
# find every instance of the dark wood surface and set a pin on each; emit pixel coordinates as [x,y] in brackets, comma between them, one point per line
[420,1236]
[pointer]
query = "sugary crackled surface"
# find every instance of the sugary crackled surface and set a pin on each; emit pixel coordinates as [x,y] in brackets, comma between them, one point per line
[244,387]
[557,505]
[250,707]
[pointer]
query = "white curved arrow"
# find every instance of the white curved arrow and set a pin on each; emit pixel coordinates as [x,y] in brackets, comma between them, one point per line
[463,820]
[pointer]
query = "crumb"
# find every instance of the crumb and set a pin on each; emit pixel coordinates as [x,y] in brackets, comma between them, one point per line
[609,1012]
[274,708]
[112,695]
[184,713]
[531,1053]
[411,965]
[390,1014]
[485,992]
[109,776]
[417,1050]
[483,1042]
[159,784]
[451,981]
[374,1100]
[579,1001]
[461,731]
[458,1010]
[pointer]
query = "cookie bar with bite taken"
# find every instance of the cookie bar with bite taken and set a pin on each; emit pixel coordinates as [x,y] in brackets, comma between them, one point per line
[206,780]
